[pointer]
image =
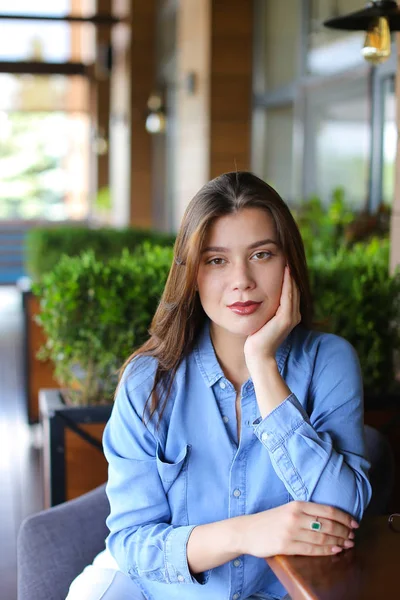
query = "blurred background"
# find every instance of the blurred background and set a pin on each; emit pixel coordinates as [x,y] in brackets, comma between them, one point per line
[113,113]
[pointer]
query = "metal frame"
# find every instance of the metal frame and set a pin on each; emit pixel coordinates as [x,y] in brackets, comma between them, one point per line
[52,411]
[44,68]
[98,20]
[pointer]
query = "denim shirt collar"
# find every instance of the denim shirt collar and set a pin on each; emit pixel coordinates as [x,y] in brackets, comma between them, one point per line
[207,360]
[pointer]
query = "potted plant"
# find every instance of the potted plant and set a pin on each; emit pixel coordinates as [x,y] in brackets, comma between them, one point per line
[93,314]
[43,249]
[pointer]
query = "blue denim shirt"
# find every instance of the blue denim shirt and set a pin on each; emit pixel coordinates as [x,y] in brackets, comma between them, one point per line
[191,470]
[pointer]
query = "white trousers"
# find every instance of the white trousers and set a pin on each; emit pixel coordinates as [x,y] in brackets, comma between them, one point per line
[102,580]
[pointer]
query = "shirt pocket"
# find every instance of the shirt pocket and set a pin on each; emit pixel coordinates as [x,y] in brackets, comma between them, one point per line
[174,478]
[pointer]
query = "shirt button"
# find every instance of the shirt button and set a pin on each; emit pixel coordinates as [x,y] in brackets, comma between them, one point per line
[237,493]
[235,596]
[225,419]
[222,385]
[181,578]
[265,436]
[236,563]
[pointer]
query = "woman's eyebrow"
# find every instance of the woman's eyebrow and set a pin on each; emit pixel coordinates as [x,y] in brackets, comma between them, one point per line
[253,245]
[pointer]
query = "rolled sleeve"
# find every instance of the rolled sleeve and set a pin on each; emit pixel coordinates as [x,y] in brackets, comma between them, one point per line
[176,558]
[280,423]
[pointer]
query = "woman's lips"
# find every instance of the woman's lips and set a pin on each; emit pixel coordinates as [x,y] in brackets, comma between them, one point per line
[244,308]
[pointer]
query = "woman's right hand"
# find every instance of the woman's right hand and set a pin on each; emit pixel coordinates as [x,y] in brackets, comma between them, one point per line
[287,530]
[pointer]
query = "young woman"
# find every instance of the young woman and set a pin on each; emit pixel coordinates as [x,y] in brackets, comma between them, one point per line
[237,430]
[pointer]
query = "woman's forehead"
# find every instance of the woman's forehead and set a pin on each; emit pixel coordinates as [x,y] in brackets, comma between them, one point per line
[241,228]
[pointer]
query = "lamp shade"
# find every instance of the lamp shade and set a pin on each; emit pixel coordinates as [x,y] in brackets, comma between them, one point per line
[361,19]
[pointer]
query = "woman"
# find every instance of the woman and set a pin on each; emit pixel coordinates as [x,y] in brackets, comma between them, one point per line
[237,431]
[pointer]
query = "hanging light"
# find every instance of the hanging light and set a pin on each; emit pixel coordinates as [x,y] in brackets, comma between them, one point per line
[378,19]
[155,120]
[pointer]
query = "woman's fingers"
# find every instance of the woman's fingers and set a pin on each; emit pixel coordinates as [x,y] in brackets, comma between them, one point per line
[323,539]
[290,299]
[323,511]
[307,549]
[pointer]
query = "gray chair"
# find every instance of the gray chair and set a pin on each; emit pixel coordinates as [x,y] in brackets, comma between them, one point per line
[56,544]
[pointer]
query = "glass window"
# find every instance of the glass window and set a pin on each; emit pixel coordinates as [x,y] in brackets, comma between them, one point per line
[279,150]
[45,41]
[44,147]
[332,50]
[338,142]
[389,141]
[44,168]
[280,32]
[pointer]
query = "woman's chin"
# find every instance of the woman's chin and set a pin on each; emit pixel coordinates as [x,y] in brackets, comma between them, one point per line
[246,325]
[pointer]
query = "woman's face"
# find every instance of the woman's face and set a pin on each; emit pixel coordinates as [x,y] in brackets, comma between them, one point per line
[241,272]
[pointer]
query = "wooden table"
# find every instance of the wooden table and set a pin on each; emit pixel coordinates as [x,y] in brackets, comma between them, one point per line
[369,571]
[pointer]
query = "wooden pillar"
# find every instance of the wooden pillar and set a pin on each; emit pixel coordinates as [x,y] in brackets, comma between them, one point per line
[231,86]
[215,40]
[142,78]
[395,221]
[102,96]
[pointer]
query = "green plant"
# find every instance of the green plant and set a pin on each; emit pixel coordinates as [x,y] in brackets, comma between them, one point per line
[355,297]
[95,313]
[323,228]
[44,246]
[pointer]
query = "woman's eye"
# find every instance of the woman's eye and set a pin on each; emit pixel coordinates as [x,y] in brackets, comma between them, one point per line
[215,261]
[262,255]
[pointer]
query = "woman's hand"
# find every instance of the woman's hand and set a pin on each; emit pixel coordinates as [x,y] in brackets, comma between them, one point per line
[287,530]
[264,343]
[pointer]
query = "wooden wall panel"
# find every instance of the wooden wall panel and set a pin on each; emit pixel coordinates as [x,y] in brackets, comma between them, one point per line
[142,75]
[231,86]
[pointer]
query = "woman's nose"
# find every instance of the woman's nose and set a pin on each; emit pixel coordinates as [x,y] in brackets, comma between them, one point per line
[242,277]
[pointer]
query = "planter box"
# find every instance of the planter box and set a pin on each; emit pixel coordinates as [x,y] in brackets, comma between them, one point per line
[37,374]
[73,460]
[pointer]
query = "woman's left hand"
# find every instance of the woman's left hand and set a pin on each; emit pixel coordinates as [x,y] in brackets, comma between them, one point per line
[264,343]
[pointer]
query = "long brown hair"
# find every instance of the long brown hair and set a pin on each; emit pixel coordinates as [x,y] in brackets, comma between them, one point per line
[179,316]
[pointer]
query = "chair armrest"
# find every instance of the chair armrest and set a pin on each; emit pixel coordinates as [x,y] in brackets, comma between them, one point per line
[55,545]
[382,472]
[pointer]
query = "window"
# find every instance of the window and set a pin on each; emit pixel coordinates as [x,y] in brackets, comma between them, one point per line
[45,41]
[338,142]
[279,149]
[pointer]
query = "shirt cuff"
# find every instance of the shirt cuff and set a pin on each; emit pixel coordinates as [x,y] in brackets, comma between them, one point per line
[176,558]
[280,423]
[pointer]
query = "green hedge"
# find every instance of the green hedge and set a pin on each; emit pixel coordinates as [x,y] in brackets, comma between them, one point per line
[45,245]
[355,297]
[95,313]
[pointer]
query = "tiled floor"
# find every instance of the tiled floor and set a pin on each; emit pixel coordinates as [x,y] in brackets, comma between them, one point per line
[20,474]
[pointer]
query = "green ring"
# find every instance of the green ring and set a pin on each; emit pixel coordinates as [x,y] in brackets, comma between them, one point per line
[315,525]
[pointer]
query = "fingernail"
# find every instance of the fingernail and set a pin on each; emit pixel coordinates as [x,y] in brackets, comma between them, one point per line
[348,543]
[351,535]
[354,524]
[337,549]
